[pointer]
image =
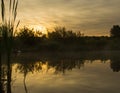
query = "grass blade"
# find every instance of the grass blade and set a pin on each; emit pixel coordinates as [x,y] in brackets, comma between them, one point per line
[10,4]
[3,10]
[15,10]
[13,6]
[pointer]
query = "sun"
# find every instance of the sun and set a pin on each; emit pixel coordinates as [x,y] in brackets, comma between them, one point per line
[39,28]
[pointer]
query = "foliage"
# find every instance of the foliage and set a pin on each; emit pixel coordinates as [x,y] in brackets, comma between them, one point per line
[61,39]
[26,35]
[66,40]
[8,27]
[115,31]
[61,32]
[7,31]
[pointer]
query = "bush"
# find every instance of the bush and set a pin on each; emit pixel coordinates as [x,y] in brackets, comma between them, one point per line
[26,36]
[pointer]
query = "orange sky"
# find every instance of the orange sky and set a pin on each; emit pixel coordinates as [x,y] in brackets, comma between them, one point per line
[92,17]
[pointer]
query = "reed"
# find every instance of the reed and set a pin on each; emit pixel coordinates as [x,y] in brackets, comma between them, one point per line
[0,65]
[7,31]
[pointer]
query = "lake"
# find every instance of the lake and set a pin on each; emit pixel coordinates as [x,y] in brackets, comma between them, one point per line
[81,73]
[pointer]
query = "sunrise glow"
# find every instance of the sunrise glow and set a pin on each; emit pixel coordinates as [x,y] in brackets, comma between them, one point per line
[94,17]
[38,28]
[60,46]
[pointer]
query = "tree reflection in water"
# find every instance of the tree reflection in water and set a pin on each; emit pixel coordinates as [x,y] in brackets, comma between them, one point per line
[59,66]
[115,64]
[4,81]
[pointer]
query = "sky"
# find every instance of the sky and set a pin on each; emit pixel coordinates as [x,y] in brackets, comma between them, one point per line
[91,17]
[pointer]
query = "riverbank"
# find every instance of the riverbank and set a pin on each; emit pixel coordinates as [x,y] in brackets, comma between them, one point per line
[86,55]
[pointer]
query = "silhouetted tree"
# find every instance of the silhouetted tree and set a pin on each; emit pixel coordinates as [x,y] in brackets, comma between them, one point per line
[26,36]
[115,31]
[61,33]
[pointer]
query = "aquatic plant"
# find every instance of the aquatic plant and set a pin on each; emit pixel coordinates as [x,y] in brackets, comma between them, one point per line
[7,32]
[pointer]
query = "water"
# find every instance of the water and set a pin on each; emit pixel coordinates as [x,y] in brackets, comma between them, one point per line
[66,75]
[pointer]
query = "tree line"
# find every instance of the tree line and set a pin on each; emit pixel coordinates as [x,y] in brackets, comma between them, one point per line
[61,39]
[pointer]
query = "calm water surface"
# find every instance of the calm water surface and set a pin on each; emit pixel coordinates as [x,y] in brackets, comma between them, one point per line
[66,76]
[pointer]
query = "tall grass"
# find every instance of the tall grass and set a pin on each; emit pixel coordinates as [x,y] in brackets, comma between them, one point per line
[7,32]
[0,66]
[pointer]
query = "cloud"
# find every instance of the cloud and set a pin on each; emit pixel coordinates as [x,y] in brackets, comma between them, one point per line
[82,14]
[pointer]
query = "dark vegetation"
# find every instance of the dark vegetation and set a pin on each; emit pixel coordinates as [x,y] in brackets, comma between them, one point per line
[63,62]
[7,29]
[115,31]
[58,40]
[62,39]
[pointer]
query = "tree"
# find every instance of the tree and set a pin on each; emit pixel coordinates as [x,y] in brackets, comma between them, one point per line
[61,33]
[26,36]
[115,31]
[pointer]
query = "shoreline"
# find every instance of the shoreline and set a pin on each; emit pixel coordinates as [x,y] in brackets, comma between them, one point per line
[88,55]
